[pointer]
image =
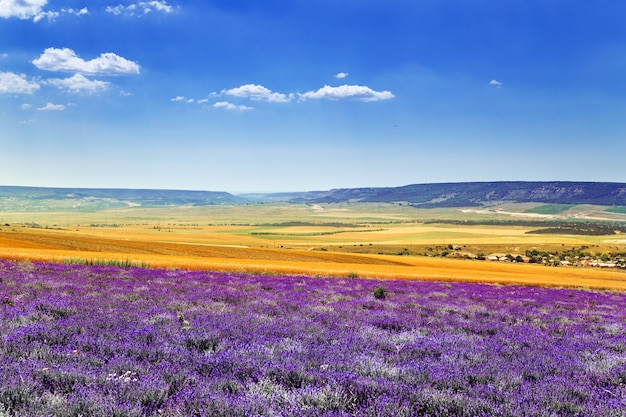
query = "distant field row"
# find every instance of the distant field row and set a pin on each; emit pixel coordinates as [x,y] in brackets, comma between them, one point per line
[378,241]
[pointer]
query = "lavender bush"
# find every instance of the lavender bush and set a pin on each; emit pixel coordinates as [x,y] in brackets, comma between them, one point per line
[104,341]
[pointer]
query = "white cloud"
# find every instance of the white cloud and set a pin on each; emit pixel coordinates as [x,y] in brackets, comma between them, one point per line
[16,83]
[116,10]
[45,15]
[26,106]
[52,107]
[55,59]
[341,75]
[230,106]
[52,15]
[77,12]
[78,83]
[27,9]
[189,100]
[353,92]
[158,5]
[22,9]
[495,83]
[257,93]
[141,8]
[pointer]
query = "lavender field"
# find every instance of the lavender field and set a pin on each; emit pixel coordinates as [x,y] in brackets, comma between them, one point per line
[104,341]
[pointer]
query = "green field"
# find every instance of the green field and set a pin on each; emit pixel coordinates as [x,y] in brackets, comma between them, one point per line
[550,208]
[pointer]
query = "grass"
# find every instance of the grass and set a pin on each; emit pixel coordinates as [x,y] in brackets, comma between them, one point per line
[550,209]
[120,263]
[617,209]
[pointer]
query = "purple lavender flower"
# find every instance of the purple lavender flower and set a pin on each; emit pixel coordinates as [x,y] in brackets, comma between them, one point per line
[104,341]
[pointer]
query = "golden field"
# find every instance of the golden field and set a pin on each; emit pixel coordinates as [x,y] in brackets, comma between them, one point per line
[330,240]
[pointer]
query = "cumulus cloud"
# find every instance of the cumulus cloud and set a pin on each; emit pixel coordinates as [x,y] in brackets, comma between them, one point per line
[230,106]
[52,107]
[55,59]
[341,75]
[141,8]
[257,93]
[495,83]
[34,9]
[22,9]
[16,84]
[78,83]
[352,92]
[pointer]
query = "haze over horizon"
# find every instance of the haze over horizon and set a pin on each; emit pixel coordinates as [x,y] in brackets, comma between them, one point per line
[298,95]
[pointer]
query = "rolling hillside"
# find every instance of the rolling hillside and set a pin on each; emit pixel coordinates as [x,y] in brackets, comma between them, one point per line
[466,194]
[476,194]
[61,199]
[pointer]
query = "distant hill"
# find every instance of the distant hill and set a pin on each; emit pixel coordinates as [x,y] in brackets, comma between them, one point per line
[474,194]
[464,194]
[52,199]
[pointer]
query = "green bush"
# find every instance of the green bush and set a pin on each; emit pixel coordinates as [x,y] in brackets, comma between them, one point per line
[380,293]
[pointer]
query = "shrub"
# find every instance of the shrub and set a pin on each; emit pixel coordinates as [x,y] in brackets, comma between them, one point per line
[380,293]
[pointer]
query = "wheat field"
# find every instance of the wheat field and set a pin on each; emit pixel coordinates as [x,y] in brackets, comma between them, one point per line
[349,240]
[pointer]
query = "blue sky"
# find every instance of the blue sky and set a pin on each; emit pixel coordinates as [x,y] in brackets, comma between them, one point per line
[283,95]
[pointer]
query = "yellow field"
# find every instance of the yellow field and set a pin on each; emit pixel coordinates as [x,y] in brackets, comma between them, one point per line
[348,240]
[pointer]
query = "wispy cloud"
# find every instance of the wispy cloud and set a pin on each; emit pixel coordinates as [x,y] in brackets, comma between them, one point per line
[52,15]
[347,92]
[26,106]
[52,107]
[55,59]
[141,8]
[183,99]
[16,84]
[46,15]
[77,12]
[257,93]
[230,106]
[78,83]
[341,75]
[495,83]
